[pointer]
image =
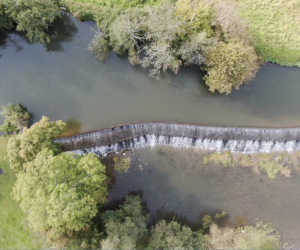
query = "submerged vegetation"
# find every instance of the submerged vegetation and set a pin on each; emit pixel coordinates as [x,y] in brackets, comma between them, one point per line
[272,164]
[121,164]
[246,161]
[223,158]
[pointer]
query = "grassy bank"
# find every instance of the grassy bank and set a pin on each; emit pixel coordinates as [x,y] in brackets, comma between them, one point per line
[12,231]
[274,26]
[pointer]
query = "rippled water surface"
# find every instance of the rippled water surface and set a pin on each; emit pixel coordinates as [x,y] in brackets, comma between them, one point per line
[62,80]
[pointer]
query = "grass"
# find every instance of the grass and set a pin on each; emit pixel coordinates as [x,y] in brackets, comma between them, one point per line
[117,3]
[12,234]
[224,158]
[274,26]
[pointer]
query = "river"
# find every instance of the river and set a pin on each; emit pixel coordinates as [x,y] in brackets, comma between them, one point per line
[62,80]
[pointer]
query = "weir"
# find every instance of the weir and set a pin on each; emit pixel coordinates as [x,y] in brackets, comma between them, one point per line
[243,140]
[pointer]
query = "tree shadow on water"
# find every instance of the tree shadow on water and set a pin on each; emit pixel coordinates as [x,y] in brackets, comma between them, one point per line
[61,31]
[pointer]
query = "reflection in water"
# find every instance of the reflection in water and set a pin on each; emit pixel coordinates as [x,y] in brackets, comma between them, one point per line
[175,184]
[69,82]
[61,31]
[73,127]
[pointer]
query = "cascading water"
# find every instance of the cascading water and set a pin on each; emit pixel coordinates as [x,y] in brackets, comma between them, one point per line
[243,140]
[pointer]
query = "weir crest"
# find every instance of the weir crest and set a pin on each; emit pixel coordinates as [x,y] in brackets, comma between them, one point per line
[141,135]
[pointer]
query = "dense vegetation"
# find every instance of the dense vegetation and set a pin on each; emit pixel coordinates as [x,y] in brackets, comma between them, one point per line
[16,118]
[62,197]
[170,35]
[165,35]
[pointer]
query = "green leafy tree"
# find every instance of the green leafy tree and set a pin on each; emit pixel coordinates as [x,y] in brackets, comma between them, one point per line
[6,22]
[230,64]
[24,147]
[16,118]
[99,47]
[173,235]
[33,16]
[125,227]
[60,193]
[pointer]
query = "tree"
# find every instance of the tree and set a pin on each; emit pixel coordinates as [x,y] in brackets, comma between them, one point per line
[99,47]
[230,64]
[128,31]
[125,227]
[161,56]
[60,193]
[33,16]
[24,147]
[16,118]
[175,236]
[6,22]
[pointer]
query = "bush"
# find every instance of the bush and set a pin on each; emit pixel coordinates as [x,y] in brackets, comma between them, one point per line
[16,118]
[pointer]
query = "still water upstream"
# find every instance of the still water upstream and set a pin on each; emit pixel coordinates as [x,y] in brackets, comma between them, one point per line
[62,80]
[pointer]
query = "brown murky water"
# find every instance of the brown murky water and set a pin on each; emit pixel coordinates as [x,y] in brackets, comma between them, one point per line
[62,80]
[175,183]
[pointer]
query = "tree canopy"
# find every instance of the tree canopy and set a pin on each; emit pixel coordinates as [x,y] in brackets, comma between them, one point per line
[60,193]
[16,118]
[126,227]
[173,235]
[24,147]
[167,36]
[32,16]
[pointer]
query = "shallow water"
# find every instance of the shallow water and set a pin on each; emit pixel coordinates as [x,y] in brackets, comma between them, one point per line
[63,80]
[175,183]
